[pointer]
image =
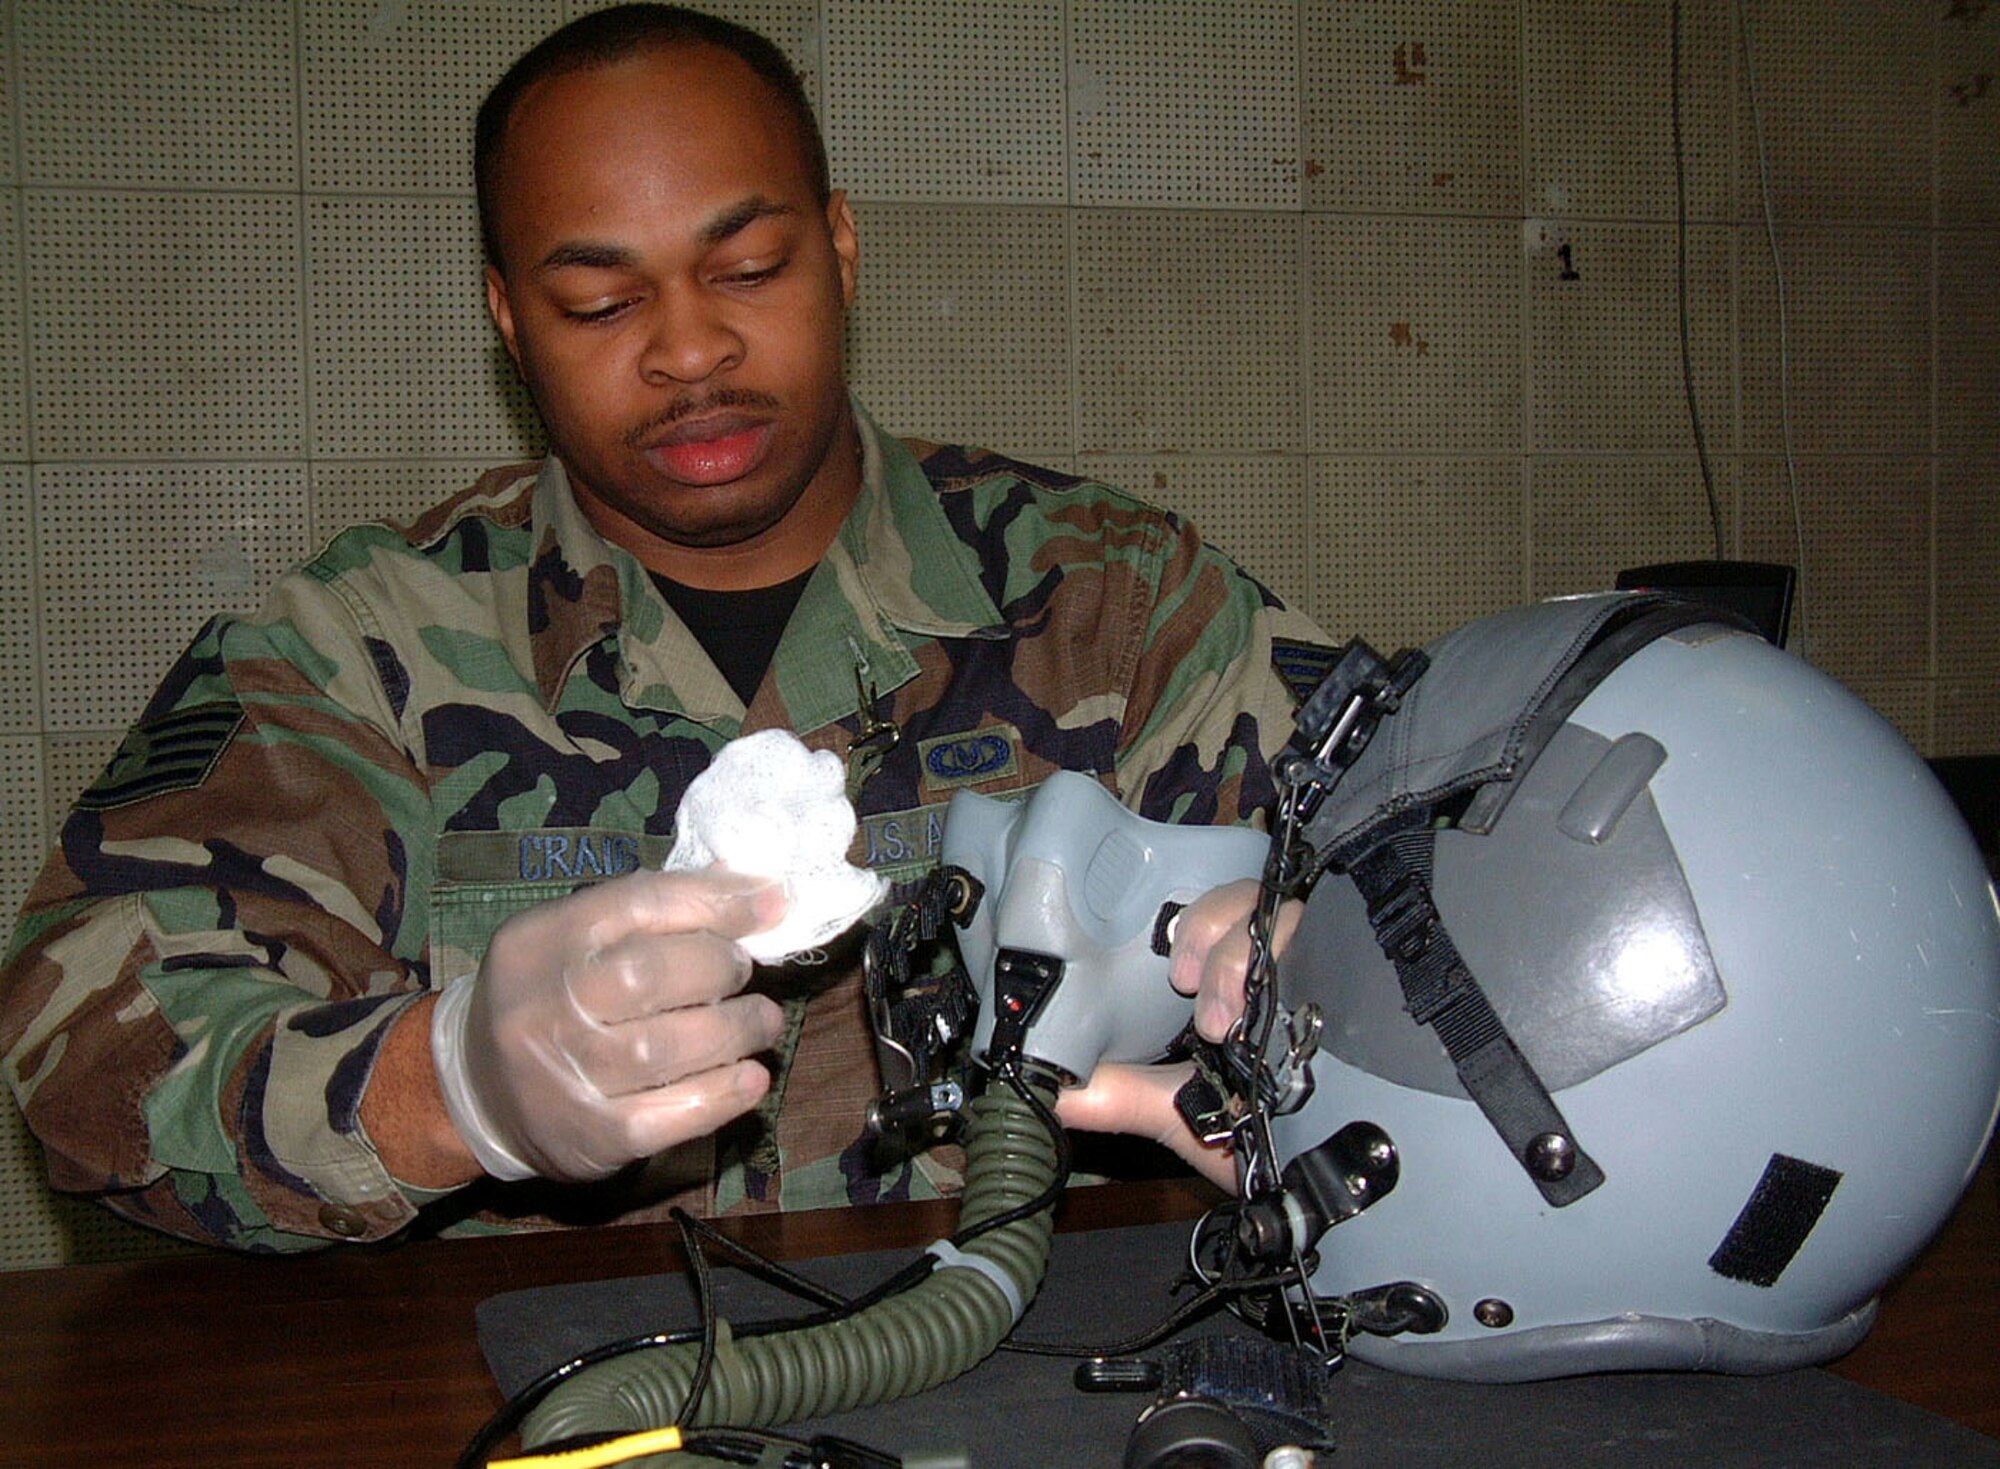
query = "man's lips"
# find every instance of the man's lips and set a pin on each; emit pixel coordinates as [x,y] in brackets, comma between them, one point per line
[712,450]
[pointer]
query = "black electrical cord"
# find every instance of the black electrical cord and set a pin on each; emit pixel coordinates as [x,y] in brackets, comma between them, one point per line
[704,1292]
[1009,1070]
[775,1273]
[1681,273]
[1202,1303]
[751,1445]
[834,1306]
[722,1445]
[921,1267]
[507,1419]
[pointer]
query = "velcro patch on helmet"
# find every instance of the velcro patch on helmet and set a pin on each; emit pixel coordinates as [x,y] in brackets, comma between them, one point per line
[1302,666]
[175,751]
[1781,1212]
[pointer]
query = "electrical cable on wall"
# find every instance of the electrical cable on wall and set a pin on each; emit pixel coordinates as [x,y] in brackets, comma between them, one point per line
[1681,280]
[1804,602]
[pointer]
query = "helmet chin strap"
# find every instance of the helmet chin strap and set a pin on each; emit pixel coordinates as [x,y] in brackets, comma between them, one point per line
[1441,992]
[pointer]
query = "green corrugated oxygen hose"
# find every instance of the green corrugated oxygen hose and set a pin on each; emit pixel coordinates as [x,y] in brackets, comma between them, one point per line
[905,1344]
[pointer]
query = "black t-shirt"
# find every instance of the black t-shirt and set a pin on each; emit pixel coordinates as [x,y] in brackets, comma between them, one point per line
[738,630]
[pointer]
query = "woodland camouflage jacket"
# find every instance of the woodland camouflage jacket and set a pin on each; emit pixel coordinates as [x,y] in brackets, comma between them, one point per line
[328,808]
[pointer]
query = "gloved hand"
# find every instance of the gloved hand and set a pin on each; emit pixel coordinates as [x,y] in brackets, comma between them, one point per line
[606,1026]
[1210,959]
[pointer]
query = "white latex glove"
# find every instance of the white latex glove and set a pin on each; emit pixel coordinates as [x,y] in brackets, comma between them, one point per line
[607,1026]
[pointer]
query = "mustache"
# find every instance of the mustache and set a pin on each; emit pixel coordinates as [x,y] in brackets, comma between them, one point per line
[693,407]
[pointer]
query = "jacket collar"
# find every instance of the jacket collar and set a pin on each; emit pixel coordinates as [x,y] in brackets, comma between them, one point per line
[895,567]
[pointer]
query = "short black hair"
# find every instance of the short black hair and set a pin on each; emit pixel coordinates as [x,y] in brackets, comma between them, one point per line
[607,36]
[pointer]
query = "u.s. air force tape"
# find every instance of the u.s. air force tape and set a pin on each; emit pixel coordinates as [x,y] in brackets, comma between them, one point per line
[950,1256]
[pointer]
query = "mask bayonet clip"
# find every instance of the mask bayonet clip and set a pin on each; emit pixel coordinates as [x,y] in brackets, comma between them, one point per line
[877,736]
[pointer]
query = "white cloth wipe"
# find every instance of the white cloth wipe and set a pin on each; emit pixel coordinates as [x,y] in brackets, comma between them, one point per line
[770,807]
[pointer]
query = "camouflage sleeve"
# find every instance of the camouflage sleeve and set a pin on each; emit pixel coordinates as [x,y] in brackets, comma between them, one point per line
[202,976]
[1208,708]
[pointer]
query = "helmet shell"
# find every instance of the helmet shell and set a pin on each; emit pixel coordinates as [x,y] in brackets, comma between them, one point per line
[1794,980]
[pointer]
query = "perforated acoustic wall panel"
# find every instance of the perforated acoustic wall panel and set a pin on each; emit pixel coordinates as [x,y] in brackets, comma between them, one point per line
[1589,510]
[388,86]
[931,107]
[1598,109]
[1384,293]
[9,95]
[1968,528]
[1968,121]
[1847,90]
[21,846]
[1413,335]
[159,95]
[214,536]
[1414,546]
[164,326]
[1604,346]
[963,330]
[13,335]
[31,1230]
[401,356]
[1412,107]
[1968,368]
[1184,105]
[1860,327]
[1867,556]
[20,688]
[1187,331]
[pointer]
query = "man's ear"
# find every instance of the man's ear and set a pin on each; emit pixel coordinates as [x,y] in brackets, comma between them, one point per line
[502,311]
[846,247]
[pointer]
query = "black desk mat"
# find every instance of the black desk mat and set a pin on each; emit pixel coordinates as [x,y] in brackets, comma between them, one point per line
[1020,1412]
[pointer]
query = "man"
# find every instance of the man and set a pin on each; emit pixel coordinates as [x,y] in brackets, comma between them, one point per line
[454,752]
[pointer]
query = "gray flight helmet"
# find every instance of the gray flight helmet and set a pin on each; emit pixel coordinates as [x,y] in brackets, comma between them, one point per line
[1743,942]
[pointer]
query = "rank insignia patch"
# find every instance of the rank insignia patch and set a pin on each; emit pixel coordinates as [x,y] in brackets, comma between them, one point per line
[174,752]
[1303,666]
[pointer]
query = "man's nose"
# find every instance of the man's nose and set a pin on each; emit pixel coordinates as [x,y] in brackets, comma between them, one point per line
[689,339]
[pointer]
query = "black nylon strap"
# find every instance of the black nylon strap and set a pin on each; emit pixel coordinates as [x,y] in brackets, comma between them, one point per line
[1441,992]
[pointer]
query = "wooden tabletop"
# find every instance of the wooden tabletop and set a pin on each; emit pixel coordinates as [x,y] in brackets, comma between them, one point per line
[368,1357]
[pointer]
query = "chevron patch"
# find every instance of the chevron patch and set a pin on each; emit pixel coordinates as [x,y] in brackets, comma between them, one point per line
[1302,666]
[174,752]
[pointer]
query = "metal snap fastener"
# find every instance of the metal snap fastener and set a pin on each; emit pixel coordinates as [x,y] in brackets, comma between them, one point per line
[343,1222]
